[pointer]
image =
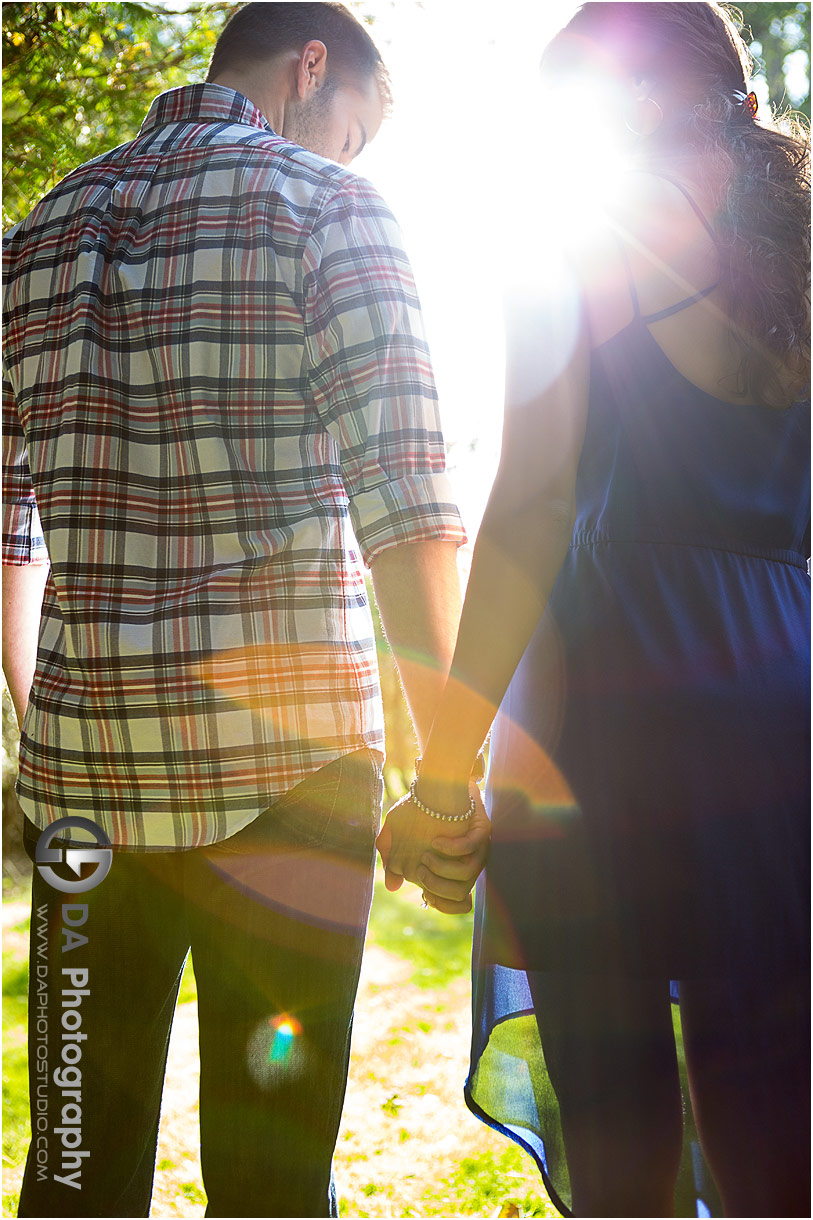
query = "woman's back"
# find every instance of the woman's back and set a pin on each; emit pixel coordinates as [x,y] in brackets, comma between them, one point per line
[658,258]
[672,449]
[678,621]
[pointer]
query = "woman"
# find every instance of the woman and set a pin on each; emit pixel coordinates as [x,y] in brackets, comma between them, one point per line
[648,781]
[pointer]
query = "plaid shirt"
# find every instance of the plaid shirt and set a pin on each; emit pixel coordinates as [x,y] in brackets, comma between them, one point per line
[215,382]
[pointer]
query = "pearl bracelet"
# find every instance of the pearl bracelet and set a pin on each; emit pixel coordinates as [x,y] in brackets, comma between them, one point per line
[440,817]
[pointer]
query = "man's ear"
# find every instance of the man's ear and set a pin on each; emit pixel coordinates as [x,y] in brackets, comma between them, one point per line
[311,69]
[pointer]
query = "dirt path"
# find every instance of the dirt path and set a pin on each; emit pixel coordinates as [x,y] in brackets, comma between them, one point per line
[405,1127]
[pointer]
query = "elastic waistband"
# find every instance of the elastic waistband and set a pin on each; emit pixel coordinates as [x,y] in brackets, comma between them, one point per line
[586,538]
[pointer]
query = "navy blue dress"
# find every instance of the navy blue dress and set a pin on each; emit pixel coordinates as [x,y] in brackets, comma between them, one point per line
[648,781]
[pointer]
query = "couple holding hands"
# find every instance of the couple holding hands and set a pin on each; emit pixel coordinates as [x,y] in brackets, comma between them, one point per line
[218,406]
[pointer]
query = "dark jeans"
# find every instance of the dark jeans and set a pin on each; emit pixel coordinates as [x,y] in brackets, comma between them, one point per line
[275,917]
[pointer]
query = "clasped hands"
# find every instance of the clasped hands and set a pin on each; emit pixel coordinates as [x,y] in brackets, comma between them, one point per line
[443,858]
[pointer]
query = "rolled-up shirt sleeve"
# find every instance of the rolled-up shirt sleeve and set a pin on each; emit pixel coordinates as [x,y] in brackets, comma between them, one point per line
[370,375]
[23,541]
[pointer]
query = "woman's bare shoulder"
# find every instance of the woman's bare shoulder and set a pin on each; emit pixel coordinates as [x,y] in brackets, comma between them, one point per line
[646,238]
[651,207]
[600,265]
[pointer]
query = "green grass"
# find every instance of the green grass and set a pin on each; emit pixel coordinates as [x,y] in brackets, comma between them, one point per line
[16,1126]
[188,989]
[437,946]
[15,979]
[482,1184]
[438,949]
[344,1210]
[193,1193]
[17,883]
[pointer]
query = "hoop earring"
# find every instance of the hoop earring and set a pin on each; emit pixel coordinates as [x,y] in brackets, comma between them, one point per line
[649,129]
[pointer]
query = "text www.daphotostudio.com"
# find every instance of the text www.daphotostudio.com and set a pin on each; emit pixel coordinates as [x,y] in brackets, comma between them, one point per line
[74,983]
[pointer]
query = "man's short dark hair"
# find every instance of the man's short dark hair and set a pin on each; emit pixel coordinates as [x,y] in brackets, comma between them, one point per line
[257,32]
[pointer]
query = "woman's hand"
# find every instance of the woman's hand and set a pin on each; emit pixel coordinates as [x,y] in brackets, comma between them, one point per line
[441,859]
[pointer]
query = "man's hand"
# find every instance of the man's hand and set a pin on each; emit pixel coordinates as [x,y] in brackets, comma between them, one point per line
[445,866]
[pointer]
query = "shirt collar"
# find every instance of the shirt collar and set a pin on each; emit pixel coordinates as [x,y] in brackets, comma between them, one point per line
[203,103]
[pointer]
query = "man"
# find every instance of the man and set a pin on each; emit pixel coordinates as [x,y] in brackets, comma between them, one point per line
[214,367]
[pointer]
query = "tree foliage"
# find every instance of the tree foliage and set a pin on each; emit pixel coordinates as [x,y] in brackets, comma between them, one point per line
[79,78]
[779,37]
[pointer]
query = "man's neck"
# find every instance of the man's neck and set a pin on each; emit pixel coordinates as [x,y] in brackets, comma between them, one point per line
[269,91]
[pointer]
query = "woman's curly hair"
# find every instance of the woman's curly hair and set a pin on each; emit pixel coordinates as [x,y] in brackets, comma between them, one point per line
[756,171]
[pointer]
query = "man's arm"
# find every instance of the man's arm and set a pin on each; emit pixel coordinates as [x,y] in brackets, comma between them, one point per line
[23,587]
[417,589]
[370,379]
[25,556]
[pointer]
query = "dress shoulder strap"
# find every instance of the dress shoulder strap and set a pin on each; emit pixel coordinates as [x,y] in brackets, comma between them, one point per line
[633,291]
[698,211]
[697,296]
[676,308]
